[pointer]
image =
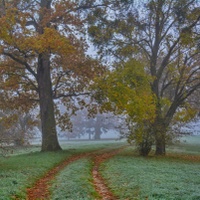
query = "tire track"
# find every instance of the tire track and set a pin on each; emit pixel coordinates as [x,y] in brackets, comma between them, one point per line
[40,189]
[98,181]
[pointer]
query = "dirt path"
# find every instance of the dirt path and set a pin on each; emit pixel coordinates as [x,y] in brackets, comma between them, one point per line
[40,190]
[99,183]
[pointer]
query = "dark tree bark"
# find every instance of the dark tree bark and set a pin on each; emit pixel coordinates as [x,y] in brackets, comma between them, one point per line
[160,137]
[47,115]
[160,146]
[49,134]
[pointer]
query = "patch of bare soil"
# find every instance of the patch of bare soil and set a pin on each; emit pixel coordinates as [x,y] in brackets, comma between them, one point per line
[40,190]
[99,183]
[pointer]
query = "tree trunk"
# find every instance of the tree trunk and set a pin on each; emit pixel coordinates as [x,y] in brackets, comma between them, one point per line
[160,130]
[89,136]
[97,134]
[49,134]
[160,146]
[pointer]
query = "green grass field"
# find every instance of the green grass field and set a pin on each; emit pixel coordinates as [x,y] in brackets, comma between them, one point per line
[75,182]
[173,177]
[20,169]
[152,178]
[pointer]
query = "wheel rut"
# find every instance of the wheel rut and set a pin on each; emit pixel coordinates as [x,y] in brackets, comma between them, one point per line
[98,181]
[40,189]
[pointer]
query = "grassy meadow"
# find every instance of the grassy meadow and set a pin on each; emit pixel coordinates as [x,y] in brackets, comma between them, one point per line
[174,177]
[129,176]
[20,168]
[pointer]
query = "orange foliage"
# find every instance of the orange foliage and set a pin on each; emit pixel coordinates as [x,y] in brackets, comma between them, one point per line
[25,35]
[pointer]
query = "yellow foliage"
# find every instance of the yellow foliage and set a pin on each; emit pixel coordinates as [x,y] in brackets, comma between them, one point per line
[187,38]
[128,91]
[15,33]
[49,41]
[185,113]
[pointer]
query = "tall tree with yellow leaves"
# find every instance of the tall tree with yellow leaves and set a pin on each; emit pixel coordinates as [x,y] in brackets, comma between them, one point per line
[164,35]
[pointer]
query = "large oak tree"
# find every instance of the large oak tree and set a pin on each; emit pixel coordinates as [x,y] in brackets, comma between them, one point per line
[43,61]
[164,35]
